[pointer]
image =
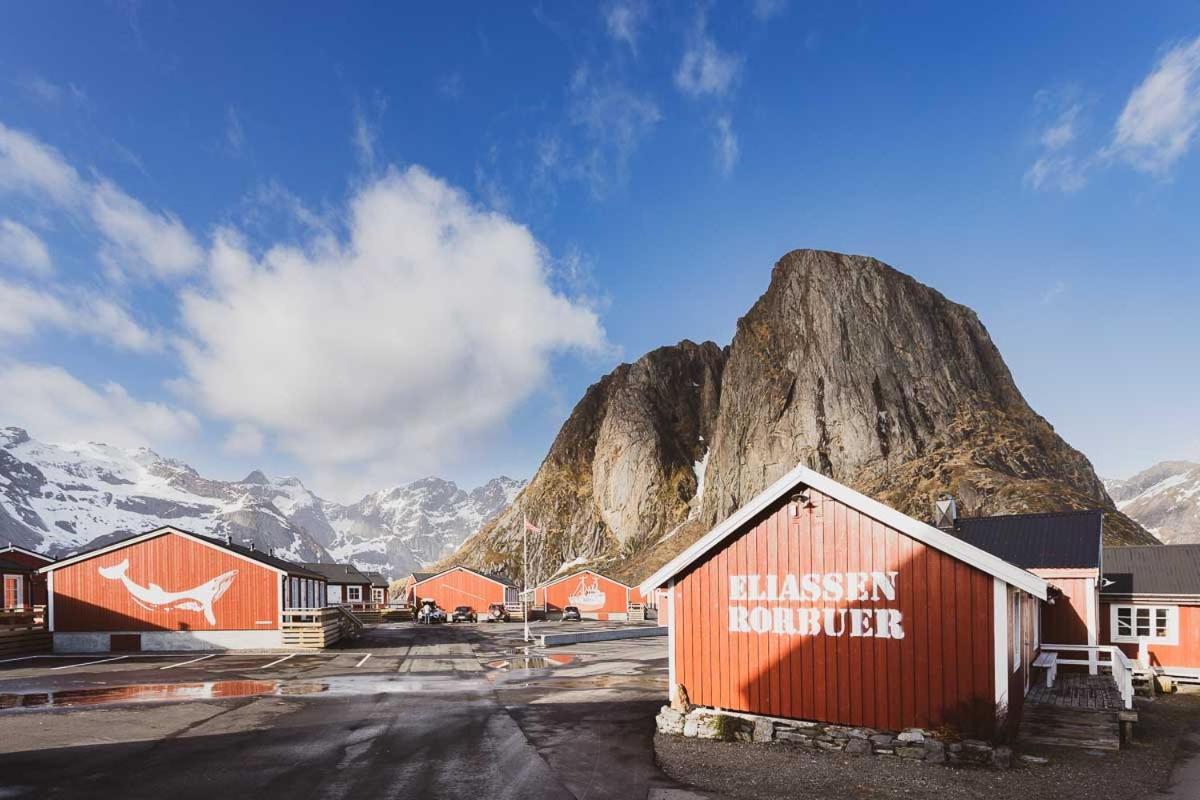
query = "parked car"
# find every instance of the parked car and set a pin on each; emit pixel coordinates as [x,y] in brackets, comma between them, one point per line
[497,613]
[464,614]
[429,613]
[571,614]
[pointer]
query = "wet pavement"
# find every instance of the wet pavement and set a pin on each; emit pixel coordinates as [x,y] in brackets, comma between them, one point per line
[405,711]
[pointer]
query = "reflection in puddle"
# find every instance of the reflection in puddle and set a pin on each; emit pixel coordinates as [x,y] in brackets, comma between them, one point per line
[152,692]
[531,662]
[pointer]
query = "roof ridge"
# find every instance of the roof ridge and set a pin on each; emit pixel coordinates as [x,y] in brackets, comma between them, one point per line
[1073,512]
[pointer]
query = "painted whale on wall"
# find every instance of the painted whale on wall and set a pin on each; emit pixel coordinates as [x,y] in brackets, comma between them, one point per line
[154,597]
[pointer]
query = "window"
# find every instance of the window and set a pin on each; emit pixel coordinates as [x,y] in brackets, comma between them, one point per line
[1155,624]
[354,594]
[1016,631]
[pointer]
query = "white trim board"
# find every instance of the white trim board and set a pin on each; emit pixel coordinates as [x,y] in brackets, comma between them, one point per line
[1000,658]
[12,548]
[922,532]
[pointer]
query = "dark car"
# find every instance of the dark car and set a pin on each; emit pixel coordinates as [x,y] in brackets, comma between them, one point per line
[497,613]
[464,614]
[571,614]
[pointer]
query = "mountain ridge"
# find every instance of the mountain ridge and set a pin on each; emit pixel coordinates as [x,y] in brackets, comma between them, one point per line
[1165,498]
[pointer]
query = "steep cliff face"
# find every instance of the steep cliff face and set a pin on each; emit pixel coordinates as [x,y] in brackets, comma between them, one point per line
[622,470]
[844,364]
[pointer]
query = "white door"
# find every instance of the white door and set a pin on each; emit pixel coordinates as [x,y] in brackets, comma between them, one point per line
[335,593]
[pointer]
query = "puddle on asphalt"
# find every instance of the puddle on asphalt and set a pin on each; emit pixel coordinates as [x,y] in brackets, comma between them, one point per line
[530,662]
[153,692]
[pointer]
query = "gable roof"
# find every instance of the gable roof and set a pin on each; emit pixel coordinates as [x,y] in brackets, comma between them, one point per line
[12,548]
[338,573]
[577,573]
[803,476]
[1152,569]
[377,579]
[1060,540]
[267,560]
[500,579]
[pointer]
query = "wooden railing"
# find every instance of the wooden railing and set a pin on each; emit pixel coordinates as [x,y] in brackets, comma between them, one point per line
[318,627]
[1116,662]
[23,618]
[23,630]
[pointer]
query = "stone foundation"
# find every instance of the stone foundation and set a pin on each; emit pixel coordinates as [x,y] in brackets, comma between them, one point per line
[913,743]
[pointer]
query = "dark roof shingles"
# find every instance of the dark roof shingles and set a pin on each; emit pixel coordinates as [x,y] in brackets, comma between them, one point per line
[1060,540]
[1155,569]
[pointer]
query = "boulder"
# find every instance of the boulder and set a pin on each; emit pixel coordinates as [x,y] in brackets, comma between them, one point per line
[858,747]
[669,721]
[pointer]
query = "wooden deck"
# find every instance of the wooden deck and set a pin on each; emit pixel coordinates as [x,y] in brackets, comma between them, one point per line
[1078,692]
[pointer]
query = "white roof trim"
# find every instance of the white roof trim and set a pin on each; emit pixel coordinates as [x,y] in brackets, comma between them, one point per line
[12,548]
[567,577]
[152,535]
[473,572]
[922,532]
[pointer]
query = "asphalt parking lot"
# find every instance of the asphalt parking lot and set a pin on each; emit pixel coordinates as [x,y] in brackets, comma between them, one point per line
[404,711]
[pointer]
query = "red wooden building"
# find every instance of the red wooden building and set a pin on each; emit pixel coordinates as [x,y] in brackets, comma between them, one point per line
[15,556]
[595,595]
[816,602]
[1150,607]
[461,586]
[173,590]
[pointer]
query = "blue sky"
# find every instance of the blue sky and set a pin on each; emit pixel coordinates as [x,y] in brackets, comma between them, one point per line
[368,246]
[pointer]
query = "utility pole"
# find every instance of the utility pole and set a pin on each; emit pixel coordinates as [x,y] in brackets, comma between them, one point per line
[525,575]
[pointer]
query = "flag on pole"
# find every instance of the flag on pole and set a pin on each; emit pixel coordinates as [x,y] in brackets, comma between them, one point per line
[529,526]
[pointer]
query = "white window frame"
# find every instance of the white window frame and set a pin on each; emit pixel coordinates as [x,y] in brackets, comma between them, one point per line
[1017,643]
[1171,637]
[354,594]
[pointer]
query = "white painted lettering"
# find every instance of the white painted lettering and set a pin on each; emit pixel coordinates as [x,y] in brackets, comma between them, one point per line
[810,587]
[885,581]
[791,589]
[832,584]
[739,619]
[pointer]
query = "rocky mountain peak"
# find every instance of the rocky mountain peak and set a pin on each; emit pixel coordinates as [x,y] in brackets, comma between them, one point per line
[11,437]
[844,364]
[257,477]
[1165,498]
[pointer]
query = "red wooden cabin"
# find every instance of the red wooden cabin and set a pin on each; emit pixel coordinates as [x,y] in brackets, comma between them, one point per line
[596,596]
[173,590]
[461,586]
[816,602]
[19,556]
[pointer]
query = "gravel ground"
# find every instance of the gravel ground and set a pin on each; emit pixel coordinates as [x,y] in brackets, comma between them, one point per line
[767,771]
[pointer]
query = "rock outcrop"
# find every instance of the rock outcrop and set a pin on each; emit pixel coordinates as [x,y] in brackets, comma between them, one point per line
[844,364]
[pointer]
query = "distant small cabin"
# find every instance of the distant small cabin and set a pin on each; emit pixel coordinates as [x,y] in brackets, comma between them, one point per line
[596,596]
[379,588]
[1150,607]
[463,586]
[346,584]
[34,593]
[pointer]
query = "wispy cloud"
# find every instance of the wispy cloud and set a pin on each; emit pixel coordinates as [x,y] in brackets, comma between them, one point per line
[235,134]
[1161,118]
[1053,292]
[725,142]
[140,241]
[614,121]
[27,310]
[764,10]
[706,69]
[624,19]
[1057,166]
[367,120]
[22,249]
[450,85]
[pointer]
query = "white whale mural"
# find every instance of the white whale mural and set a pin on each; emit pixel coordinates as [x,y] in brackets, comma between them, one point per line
[154,597]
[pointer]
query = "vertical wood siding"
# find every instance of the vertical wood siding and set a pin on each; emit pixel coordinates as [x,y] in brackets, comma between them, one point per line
[941,672]
[86,601]
[557,596]
[1184,654]
[460,587]
[36,590]
[1065,622]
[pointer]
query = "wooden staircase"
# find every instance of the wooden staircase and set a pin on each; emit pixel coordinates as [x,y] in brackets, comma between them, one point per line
[1078,710]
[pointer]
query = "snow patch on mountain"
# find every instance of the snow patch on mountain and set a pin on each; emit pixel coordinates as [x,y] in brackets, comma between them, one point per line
[1165,499]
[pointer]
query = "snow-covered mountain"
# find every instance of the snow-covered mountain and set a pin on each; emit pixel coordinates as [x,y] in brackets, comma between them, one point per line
[399,530]
[1164,499]
[59,498]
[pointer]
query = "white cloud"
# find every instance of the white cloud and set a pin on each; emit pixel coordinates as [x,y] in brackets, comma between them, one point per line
[41,89]
[25,310]
[21,248]
[30,167]
[390,352]
[764,10]
[235,135]
[1053,292]
[60,408]
[705,68]
[725,142]
[615,120]
[243,440]
[624,19]
[140,241]
[1160,120]
[366,129]
[1060,114]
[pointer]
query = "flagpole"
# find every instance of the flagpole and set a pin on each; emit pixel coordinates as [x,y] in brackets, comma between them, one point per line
[525,573]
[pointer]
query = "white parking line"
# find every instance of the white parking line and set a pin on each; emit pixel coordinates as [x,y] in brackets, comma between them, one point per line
[89,663]
[192,661]
[364,660]
[277,661]
[22,658]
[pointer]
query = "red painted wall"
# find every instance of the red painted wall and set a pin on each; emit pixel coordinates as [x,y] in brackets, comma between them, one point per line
[557,595]
[84,600]
[1065,622]
[940,672]
[1184,654]
[460,587]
